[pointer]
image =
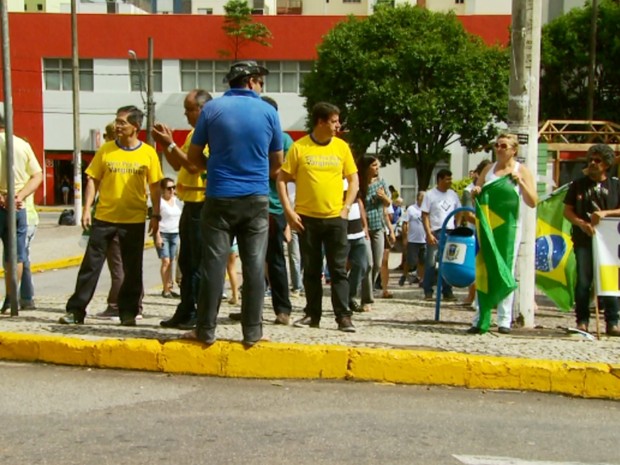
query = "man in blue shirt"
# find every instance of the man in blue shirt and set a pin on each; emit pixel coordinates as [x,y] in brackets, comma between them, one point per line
[245,146]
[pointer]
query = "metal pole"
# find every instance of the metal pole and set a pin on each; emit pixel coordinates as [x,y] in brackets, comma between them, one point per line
[592,64]
[150,104]
[523,121]
[10,177]
[77,152]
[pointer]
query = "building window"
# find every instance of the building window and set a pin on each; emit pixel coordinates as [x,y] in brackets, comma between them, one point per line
[459,2]
[351,1]
[284,76]
[58,75]
[204,11]
[39,7]
[139,77]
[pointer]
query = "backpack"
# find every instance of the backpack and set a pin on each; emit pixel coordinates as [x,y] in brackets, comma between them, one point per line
[67,218]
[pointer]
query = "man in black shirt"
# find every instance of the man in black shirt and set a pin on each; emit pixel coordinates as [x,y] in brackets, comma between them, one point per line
[588,200]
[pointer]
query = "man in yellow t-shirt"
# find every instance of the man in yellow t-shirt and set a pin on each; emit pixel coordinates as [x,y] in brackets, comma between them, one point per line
[191,183]
[120,172]
[27,178]
[318,163]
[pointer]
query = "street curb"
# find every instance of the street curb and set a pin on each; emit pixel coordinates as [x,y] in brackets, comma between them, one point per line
[67,262]
[271,360]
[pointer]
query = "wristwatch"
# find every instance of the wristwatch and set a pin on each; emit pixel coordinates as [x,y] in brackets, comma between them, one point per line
[171,147]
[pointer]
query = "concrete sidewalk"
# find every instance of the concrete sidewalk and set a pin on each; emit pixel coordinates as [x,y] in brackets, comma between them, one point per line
[397,342]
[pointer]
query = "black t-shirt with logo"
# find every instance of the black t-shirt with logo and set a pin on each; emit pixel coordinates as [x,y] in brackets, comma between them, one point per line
[587,196]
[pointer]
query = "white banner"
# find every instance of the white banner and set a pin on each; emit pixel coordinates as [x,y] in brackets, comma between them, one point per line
[606,250]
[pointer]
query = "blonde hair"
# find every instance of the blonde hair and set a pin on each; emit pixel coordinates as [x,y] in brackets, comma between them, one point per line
[514,140]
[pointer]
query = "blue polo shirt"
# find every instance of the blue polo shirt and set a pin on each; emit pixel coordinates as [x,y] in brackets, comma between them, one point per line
[241,130]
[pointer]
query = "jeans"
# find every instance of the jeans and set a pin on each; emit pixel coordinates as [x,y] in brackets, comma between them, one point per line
[21,231]
[276,265]
[332,234]
[247,218]
[585,274]
[169,246]
[358,260]
[294,261]
[374,248]
[430,271]
[131,240]
[26,287]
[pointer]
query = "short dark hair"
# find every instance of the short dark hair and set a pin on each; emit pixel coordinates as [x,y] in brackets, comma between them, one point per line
[165,181]
[135,116]
[443,173]
[322,111]
[242,81]
[270,101]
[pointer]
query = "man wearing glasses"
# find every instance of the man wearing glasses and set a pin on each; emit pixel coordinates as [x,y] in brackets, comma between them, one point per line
[245,146]
[588,200]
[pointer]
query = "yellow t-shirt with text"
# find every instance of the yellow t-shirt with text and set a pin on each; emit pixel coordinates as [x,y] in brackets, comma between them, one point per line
[195,182]
[319,171]
[124,175]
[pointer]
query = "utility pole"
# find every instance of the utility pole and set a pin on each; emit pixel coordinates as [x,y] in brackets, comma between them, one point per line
[592,64]
[77,150]
[523,121]
[150,104]
[10,176]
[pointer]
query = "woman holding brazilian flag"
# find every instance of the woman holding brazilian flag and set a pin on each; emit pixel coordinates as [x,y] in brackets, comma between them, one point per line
[499,192]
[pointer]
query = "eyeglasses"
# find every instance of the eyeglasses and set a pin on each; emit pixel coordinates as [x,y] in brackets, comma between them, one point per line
[502,146]
[171,188]
[595,160]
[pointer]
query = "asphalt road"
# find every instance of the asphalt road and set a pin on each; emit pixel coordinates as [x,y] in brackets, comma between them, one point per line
[59,415]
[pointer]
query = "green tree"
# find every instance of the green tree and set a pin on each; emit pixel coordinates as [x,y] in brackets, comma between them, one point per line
[565,60]
[414,79]
[241,29]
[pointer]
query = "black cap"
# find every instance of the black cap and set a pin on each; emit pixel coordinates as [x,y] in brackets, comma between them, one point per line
[245,68]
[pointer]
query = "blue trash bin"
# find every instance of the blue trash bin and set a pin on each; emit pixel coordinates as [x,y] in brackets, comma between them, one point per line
[458,265]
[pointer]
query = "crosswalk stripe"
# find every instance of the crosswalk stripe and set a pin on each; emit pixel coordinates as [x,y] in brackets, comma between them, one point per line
[489,460]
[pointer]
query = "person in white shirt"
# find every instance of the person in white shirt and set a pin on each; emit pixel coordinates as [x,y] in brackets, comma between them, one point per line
[414,240]
[438,203]
[167,238]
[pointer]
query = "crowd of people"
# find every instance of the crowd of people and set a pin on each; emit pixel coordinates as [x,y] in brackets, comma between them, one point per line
[244,188]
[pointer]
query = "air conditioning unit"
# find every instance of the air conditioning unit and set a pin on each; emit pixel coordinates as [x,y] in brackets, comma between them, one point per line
[258,11]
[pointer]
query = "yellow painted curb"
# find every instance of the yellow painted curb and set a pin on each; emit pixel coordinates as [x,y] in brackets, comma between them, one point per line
[296,361]
[67,262]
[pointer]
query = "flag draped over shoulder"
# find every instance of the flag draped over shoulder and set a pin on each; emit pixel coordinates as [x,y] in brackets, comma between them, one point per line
[556,268]
[497,211]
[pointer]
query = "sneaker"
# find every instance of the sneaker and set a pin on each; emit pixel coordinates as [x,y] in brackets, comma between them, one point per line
[282,319]
[305,322]
[108,314]
[224,296]
[27,305]
[295,292]
[428,297]
[71,319]
[346,325]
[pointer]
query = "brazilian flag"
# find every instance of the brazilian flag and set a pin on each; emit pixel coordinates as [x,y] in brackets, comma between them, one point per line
[497,211]
[556,268]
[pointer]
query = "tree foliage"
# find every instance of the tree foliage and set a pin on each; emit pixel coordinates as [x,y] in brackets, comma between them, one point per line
[241,29]
[565,60]
[414,79]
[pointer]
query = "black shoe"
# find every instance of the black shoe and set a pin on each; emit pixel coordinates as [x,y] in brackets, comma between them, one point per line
[346,325]
[355,307]
[401,280]
[503,330]
[128,322]
[173,322]
[71,319]
[188,324]
[235,316]
[306,322]
[473,330]
[449,298]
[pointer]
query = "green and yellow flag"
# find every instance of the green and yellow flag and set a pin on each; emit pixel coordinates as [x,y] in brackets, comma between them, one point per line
[556,268]
[497,211]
